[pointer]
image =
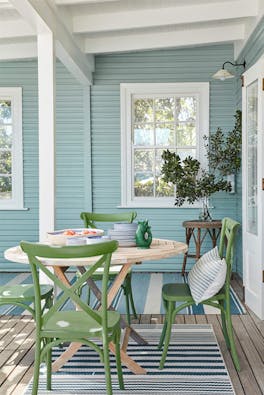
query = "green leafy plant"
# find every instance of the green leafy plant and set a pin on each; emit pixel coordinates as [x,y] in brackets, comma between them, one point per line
[224,150]
[192,182]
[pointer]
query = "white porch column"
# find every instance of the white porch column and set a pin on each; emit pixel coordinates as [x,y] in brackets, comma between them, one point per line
[46,101]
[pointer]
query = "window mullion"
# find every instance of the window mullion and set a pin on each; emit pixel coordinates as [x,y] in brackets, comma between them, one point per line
[185,118]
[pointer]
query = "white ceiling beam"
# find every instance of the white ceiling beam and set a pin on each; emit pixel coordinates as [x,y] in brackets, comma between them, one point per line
[16,51]
[76,2]
[169,39]
[5,5]
[10,28]
[163,16]
[239,45]
[43,18]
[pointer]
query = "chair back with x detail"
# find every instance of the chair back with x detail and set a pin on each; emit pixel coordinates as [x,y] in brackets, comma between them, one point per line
[173,293]
[90,220]
[82,325]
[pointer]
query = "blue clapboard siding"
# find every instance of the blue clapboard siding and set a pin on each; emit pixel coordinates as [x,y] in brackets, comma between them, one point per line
[181,65]
[70,188]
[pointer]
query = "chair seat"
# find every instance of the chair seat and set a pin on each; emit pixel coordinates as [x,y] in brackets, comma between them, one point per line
[77,324]
[23,292]
[176,292]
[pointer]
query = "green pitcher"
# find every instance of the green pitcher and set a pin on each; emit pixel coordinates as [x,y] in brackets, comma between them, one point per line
[143,234]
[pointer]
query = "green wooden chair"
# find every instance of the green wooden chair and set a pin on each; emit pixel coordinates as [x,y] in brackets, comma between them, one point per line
[172,293]
[89,220]
[83,325]
[23,295]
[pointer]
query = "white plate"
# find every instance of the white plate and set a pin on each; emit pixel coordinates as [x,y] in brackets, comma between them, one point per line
[125,227]
[59,237]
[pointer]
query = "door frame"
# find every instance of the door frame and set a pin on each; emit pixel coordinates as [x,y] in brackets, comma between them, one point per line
[255,302]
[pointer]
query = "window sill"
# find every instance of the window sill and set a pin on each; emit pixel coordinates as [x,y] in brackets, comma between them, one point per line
[142,205]
[14,209]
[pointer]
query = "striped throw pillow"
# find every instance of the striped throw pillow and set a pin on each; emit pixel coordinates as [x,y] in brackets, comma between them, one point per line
[207,276]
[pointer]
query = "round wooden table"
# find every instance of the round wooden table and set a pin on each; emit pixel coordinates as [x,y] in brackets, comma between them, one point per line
[198,230]
[123,258]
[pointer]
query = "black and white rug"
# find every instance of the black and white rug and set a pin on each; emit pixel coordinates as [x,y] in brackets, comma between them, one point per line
[194,365]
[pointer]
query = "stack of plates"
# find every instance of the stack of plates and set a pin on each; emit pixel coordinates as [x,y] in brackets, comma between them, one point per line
[124,233]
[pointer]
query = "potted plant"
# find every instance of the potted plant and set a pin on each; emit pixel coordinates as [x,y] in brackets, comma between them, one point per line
[194,183]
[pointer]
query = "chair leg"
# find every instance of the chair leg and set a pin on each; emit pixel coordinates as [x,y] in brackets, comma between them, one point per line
[230,333]
[224,329]
[107,369]
[168,334]
[128,280]
[118,360]
[49,367]
[88,296]
[162,336]
[36,367]
[125,290]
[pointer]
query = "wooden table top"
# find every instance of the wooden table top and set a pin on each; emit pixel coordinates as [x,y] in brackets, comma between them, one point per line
[159,249]
[214,224]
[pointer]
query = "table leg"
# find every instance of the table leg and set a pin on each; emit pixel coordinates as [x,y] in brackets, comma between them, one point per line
[111,295]
[188,235]
[214,234]
[65,356]
[128,361]
[198,244]
[129,332]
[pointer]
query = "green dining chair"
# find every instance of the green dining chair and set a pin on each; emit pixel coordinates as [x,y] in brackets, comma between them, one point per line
[172,293]
[23,295]
[90,220]
[83,325]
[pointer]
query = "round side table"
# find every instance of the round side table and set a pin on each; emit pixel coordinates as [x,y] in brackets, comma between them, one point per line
[198,230]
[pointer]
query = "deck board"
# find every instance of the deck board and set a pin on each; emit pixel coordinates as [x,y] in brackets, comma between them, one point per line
[17,351]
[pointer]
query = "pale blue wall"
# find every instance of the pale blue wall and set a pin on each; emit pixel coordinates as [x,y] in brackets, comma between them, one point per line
[71,136]
[181,65]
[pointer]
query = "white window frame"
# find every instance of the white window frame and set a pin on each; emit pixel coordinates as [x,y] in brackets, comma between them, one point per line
[127,90]
[17,202]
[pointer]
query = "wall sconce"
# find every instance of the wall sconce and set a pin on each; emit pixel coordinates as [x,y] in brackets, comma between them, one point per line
[224,74]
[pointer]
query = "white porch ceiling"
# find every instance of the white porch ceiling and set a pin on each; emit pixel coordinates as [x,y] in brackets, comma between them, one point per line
[109,26]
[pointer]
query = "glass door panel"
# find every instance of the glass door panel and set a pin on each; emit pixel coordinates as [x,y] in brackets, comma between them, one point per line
[252,157]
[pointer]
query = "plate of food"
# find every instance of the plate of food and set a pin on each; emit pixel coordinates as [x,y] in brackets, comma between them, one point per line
[59,237]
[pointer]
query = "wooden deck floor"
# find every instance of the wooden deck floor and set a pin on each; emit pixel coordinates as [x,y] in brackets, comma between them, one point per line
[17,349]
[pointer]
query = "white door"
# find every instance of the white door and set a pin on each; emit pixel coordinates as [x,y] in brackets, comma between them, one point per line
[253,184]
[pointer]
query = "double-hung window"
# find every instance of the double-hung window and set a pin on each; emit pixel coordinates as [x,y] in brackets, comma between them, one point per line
[155,117]
[11,158]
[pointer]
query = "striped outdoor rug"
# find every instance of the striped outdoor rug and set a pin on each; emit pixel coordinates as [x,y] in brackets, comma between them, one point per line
[146,291]
[194,366]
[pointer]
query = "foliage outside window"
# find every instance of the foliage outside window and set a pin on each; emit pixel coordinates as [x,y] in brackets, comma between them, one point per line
[11,173]
[167,117]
